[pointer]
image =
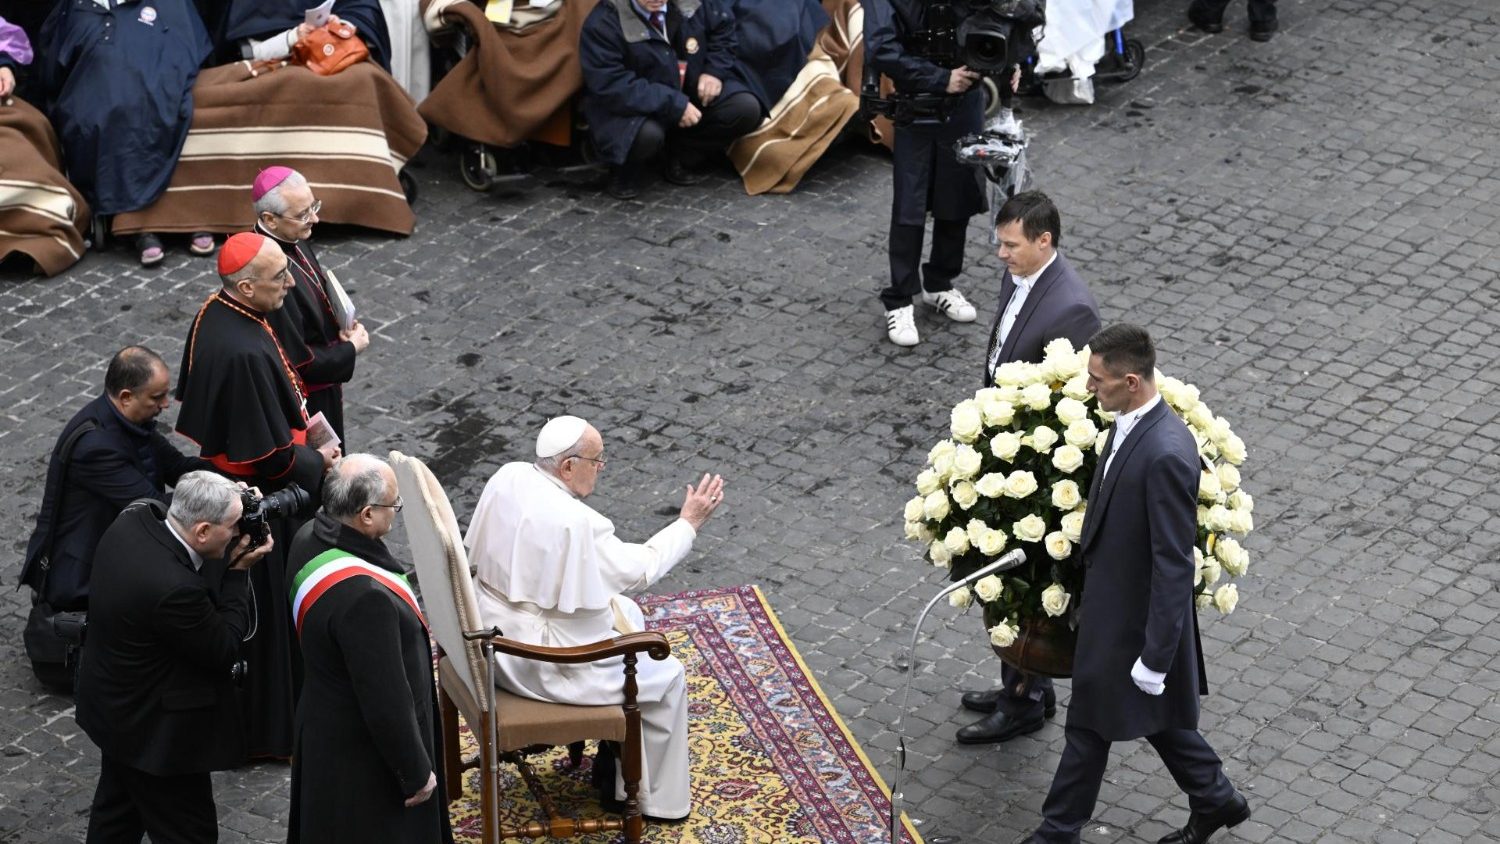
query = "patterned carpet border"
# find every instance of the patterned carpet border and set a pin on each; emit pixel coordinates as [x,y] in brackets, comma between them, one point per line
[772,761]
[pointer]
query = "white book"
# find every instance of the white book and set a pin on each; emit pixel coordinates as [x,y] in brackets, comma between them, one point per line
[343,308]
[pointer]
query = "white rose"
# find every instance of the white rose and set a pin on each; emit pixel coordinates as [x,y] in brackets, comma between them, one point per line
[1197,566]
[929,481]
[1077,387]
[1241,522]
[1229,477]
[1241,500]
[1003,635]
[963,494]
[1012,374]
[1227,598]
[1208,486]
[1055,600]
[1200,417]
[1065,495]
[1171,391]
[943,465]
[1234,557]
[992,542]
[1218,430]
[935,506]
[997,413]
[943,447]
[1059,348]
[1070,410]
[965,462]
[1233,449]
[991,485]
[1204,600]
[1100,440]
[1058,546]
[1037,396]
[1072,525]
[1029,529]
[913,530]
[966,421]
[1218,520]
[913,510]
[1212,571]
[1081,434]
[962,598]
[989,588]
[925,533]
[938,553]
[1020,484]
[1061,361]
[1042,439]
[957,541]
[1005,446]
[1067,458]
[976,528]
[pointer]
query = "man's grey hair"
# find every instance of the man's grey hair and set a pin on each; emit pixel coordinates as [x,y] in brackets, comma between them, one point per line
[552,465]
[274,201]
[202,497]
[239,275]
[355,482]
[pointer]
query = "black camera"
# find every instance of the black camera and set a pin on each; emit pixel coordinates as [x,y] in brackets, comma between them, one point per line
[996,35]
[255,521]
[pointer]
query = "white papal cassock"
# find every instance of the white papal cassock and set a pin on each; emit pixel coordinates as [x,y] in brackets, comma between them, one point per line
[551,572]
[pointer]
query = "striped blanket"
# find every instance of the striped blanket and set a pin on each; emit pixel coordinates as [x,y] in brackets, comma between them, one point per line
[812,112]
[41,215]
[349,134]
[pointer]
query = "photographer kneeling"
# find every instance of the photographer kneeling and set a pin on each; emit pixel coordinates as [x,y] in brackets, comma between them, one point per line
[156,683]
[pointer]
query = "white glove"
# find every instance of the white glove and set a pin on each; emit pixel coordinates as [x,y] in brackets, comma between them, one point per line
[1148,681]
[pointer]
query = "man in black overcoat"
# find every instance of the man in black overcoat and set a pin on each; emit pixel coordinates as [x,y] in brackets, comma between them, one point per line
[365,759]
[927,176]
[1138,670]
[155,687]
[1041,299]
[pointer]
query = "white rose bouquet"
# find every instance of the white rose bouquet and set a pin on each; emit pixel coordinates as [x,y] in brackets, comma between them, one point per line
[1016,471]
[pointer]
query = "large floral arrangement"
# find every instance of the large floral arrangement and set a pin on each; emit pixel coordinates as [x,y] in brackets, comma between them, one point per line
[1017,470]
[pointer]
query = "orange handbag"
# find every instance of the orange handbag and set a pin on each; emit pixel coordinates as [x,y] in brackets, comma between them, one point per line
[329,49]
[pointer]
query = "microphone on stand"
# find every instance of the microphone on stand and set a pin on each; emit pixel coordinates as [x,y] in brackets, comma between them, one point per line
[1004,563]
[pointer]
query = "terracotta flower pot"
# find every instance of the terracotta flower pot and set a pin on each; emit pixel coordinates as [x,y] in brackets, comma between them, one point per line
[1044,646]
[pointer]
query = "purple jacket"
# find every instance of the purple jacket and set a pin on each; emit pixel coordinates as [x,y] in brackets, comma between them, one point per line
[15,47]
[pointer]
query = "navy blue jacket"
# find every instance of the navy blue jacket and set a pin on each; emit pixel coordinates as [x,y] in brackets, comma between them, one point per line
[775,37]
[118,86]
[1059,305]
[927,175]
[261,19]
[630,73]
[1137,602]
[112,465]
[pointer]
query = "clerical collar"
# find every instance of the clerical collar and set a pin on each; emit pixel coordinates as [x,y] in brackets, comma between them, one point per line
[193,555]
[555,479]
[281,241]
[1028,281]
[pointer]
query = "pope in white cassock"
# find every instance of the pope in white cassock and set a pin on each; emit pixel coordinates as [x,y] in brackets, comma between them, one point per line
[551,572]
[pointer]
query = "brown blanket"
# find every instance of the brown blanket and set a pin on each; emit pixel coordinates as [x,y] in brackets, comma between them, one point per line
[511,86]
[41,215]
[349,134]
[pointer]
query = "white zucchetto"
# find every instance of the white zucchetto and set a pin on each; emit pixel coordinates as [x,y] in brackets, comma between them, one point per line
[559,435]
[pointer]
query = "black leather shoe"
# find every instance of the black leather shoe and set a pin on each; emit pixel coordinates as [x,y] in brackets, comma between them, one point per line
[990,701]
[1202,21]
[621,187]
[677,174]
[1001,726]
[1200,827]
[1262,32]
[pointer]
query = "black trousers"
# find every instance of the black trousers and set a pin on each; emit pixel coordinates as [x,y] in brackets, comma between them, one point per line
[1075,787]
[1261,11]
[1022,699]
[129,803]
[945,260]
[725,121]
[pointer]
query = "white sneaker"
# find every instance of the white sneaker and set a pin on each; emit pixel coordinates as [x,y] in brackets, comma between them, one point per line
[901,327]
[952,303]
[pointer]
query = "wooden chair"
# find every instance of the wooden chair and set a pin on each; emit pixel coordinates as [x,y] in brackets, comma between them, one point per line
[509,727]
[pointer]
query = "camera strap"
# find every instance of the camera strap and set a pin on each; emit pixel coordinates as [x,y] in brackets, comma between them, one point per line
[334,566]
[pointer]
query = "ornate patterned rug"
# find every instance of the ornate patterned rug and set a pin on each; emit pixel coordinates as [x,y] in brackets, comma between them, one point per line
[772,762]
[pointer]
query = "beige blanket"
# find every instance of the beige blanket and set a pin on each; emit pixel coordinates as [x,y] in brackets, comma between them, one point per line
[41,215]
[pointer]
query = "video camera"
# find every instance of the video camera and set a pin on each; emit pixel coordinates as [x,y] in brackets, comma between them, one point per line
[255,521]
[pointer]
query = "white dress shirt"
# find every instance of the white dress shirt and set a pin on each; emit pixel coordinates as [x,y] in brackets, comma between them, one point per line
[193,555]
[1023,283]
[1124,424]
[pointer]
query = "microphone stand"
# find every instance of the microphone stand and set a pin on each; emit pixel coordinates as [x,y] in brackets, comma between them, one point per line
[1004,563]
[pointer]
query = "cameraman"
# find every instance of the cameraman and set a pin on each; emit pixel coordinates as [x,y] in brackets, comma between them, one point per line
[108,455]
[156,684]
[928,178]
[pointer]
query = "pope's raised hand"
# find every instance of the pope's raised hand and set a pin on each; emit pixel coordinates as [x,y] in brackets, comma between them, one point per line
[701,501]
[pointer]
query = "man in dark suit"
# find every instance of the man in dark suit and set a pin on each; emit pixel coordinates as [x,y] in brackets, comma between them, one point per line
[155,687]
[365,756]
[1138,670]
[108,455]
[1041,299]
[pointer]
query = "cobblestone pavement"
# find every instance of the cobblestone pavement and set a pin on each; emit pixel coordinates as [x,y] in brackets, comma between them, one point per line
[1309,228]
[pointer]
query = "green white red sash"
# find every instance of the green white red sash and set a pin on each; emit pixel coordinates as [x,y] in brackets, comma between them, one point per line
[334,566]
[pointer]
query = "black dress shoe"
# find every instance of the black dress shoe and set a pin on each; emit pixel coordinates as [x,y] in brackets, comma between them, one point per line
[1200,827]
[1197,18]
[1001,726]
[1262,31]
[990,701]
[678,174]
[621,186]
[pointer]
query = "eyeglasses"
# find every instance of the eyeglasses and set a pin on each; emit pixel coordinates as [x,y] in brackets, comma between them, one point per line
[600,460]
[397,506]
[305,216]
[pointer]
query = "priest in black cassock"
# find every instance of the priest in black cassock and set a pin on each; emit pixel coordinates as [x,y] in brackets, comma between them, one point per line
[366,760]
[242,403]
[267,29]
[321,351]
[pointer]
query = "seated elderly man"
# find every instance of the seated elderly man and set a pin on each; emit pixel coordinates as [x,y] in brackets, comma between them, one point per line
[267,29]
[551,572]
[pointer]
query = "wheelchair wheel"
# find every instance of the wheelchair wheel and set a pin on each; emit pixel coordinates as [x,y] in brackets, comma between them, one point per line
[1135,59]
[99,232]
[478,167]
[408,186]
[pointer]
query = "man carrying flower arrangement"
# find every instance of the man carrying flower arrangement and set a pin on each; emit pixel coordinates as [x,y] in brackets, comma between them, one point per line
[1138,667]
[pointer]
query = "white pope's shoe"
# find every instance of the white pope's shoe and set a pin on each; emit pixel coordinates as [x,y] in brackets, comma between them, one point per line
[901,326]
[952,303]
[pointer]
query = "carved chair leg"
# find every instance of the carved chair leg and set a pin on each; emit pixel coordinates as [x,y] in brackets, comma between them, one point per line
[453,770]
